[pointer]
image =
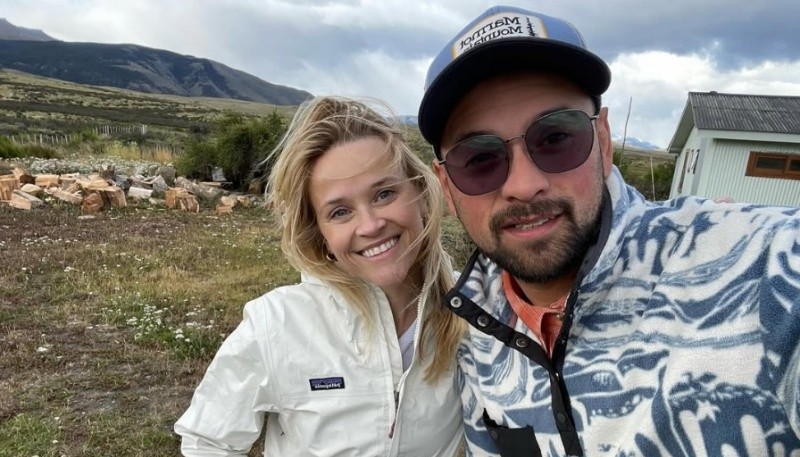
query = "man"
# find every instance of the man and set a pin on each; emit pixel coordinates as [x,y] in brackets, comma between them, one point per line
[600,324]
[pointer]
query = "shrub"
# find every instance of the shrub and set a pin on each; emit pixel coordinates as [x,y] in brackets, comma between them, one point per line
[43,152]
[135,137]
[9,150]
[198,159]
[237,145]
[88,134]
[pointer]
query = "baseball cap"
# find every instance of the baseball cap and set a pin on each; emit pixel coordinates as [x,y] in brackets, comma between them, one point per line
[505,39]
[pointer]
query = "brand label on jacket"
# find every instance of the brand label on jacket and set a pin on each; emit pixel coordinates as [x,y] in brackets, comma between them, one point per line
[326,383]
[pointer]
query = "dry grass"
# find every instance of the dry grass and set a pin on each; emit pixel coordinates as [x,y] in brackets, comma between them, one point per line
[107,324]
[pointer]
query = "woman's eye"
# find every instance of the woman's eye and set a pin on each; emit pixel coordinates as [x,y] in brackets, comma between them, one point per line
[384,194]
[339,213]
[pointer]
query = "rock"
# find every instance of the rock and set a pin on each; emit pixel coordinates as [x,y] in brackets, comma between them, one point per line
[107,171]
[245,201]
[202,192]
[123,182]
[168,173]
[139,181]
[139,193]
[159,186]
[218,175]
[32,189]
[23,200]
[145,170]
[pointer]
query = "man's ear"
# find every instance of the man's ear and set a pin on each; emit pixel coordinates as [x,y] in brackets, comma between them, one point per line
[444,182]
[604,141]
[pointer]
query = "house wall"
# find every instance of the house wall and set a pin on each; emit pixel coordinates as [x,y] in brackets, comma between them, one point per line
[725,165]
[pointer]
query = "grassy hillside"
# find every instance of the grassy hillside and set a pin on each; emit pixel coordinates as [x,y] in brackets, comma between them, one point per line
[60,115]
[31,103]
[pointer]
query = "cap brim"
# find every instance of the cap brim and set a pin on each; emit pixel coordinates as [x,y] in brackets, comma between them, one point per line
[504,56]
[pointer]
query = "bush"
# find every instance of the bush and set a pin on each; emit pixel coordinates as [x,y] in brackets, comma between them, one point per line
[199,157]
[652,181]
[663,178]
[9,150]
[136,137]
[237,145]
[43,152]
[88,134]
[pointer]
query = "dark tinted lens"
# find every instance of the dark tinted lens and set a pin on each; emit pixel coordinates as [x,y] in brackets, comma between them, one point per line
[560,141]
[478,165]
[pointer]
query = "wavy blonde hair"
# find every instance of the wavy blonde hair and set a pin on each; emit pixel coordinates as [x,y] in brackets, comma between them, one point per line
[319,125]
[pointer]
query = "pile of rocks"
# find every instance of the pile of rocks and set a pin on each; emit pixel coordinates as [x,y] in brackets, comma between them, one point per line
[104,187]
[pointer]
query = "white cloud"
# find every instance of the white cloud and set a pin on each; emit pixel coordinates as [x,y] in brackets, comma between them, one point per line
[369,74]
[659,83]
[382,48]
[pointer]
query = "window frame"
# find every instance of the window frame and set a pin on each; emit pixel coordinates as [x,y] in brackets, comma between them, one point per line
[786,173]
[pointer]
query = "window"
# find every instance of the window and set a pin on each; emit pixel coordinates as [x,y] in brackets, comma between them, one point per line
[683,172]
[773,165]
[693,166]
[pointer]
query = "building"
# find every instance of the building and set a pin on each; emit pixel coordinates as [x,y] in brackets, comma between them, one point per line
[746,147]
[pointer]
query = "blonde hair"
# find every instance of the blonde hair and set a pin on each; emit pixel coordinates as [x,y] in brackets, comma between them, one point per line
[319,125]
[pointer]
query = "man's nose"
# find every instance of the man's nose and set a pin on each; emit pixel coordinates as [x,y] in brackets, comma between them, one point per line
[525,179]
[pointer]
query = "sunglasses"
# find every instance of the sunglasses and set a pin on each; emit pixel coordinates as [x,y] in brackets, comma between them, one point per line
[557,142]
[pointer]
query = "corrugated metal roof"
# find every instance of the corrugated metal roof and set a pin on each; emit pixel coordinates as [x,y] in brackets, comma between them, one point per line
[746,113]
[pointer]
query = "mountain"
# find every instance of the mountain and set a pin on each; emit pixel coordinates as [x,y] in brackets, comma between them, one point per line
[9,31]
[635,143]
[141,69]
[406,119]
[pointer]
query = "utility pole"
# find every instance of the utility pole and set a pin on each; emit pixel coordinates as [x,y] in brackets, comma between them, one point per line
[625,131]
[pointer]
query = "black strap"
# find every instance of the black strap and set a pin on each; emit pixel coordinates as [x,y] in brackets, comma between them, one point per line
[462,306]
[512,442]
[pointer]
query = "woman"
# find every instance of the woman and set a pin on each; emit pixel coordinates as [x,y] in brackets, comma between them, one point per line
[357,359]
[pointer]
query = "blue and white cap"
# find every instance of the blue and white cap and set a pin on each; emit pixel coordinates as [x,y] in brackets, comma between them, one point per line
[502,40]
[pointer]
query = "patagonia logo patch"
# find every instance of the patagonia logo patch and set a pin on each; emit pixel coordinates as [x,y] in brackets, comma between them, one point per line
[326,383]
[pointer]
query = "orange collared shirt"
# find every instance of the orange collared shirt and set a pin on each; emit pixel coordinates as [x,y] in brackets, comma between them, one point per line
[543,321]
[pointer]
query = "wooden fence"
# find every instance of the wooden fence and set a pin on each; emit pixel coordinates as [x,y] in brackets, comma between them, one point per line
[60,138]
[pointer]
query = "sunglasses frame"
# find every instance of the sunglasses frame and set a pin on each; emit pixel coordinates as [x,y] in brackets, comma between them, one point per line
[529,153]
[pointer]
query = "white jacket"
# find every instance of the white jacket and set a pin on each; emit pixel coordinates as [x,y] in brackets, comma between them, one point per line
[303,358]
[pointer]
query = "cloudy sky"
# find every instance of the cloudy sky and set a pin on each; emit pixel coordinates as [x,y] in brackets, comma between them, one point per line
[382,48]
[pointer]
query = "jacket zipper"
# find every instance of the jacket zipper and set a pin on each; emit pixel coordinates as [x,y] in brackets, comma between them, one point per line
[399,387]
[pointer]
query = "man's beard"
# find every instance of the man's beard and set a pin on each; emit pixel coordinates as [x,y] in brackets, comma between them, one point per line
[542,261]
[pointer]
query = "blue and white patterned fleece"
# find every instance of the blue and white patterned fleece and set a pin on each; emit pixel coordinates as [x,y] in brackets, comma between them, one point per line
[684,338]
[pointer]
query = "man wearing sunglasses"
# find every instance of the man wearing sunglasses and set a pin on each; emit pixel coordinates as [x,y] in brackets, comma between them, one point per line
[600,324]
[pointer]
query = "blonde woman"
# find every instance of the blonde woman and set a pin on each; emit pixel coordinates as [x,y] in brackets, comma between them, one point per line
[358,358]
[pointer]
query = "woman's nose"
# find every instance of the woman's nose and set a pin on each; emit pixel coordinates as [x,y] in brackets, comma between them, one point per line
[370,223]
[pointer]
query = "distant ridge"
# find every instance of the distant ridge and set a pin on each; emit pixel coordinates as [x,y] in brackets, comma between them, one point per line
[636,143]
[9,31]
[134,67]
